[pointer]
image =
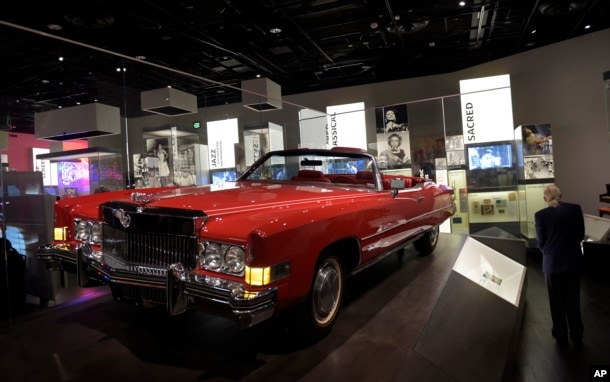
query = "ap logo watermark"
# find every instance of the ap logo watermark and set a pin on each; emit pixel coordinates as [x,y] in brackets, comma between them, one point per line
[599,373]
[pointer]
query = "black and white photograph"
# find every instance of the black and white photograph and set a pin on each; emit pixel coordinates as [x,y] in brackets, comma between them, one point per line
[394,150]
[538,167]
[454,142]
[456,159]
[392,119]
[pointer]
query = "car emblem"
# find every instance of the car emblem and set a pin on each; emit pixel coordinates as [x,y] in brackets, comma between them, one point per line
[123,217]
[141,197]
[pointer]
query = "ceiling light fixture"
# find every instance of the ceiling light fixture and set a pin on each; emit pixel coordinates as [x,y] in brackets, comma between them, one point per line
[54,27]
[275,30]
[462,3]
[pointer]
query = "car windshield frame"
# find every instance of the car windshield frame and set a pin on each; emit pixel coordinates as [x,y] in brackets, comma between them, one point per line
[283,165]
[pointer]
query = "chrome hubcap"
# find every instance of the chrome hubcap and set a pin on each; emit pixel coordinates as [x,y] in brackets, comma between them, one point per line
[326,292]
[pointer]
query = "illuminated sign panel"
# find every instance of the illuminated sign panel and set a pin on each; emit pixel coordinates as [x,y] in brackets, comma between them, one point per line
[487,112]
[346,126]
[222,137]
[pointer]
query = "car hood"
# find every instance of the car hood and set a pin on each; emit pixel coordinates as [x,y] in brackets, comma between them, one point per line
[239,196]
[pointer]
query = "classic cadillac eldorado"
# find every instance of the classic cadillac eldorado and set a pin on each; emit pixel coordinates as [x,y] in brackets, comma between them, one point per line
[287,232]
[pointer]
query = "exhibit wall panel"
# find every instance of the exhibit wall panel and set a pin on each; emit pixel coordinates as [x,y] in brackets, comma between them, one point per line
[346,126]
[312,129]
[534,202]
[487,113]
[493,207]
[222,136]
[459,221]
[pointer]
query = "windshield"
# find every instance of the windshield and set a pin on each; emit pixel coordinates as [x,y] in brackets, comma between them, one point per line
[285,165]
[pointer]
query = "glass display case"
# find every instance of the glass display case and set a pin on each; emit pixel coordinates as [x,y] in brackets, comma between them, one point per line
[170,156]
[27,223]
[536,171]
[87,171]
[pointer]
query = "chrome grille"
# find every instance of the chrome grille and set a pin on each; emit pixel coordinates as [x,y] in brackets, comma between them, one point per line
[149,249]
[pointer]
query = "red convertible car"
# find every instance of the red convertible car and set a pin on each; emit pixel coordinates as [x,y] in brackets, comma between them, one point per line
[287,233]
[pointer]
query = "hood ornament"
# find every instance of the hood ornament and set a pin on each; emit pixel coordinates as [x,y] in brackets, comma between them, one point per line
[141,197]
[123,217]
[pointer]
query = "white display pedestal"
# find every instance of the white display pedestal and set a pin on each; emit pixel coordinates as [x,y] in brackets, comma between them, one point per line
[471,319]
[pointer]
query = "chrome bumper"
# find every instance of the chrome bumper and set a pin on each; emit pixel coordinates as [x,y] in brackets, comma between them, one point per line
[183,290]
[52,255]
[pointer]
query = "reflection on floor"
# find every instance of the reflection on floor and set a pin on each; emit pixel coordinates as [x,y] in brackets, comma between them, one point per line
[85,336]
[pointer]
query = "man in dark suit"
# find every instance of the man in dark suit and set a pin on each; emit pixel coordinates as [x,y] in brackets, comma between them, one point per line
[560,229]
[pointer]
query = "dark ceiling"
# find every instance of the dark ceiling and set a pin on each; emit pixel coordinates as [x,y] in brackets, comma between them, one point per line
[207,47]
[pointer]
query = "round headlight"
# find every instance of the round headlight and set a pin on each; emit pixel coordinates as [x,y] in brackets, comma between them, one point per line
[96,233]
[82,230]
[213,258]
[235,259]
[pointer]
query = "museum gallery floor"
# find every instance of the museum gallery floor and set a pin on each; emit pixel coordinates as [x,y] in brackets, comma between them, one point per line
[85,336]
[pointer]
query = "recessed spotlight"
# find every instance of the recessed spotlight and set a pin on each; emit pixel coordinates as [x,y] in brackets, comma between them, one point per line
[275,30]
[462,3]
[60,58]
[587,26]
[140,57]
[54,27]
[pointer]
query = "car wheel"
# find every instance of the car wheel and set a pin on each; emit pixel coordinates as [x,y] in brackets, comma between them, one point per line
[425,245]
[324,300]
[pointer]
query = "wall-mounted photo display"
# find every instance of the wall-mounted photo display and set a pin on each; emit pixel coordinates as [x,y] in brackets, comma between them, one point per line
[394,150]
[454,142]
[392,119]
[537,139]
[440,163]
[157,162]
[456,159]
[538,167]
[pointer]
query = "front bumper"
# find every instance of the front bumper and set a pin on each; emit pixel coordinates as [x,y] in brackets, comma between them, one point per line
[175,287]
[53,256]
